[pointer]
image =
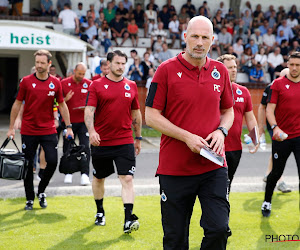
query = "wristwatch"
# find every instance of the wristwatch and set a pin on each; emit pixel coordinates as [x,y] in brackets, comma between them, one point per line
[69,126]
[273,126]
[139,138]
[224,131]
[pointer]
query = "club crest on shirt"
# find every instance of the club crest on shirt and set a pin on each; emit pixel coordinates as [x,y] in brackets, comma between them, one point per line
[287,86]
[33,85]
[126,86]
[85,85]
[238,91]
[105,86]
[51,85]
[215,74]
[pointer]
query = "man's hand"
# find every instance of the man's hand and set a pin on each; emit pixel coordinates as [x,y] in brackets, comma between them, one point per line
[217,141]
[69,133]
[276,134]
[11,133]
[195,143]
[137,146]
[94,138]
[69,95]
[18,123]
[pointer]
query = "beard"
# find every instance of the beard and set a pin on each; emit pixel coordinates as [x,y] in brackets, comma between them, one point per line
[196,55]
[117,73]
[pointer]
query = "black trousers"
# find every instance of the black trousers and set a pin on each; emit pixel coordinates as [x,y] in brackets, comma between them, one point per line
[280,153]
[233,159]
[80,130]
[178,195]
[29,147]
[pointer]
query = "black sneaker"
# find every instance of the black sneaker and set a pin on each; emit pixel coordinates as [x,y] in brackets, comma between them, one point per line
[29,205]
[266,209]
[100,219]
[42,200]
[132,224]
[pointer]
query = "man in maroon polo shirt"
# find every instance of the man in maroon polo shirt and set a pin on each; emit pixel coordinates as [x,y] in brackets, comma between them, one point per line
[75,90]
[39,90]
[113,101]
[242,107]
[190,102]
[283,114]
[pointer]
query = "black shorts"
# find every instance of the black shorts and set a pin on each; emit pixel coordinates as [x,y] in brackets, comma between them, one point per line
[104,156]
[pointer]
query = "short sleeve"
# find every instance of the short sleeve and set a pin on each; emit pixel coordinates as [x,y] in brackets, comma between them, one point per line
[135,102]
[274,93]
[92,99]
[157,95]
[227,95]
[249,106]
[59,94]
[22,91]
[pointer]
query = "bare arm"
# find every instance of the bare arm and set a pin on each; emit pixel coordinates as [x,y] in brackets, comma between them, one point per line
[13,115]
[89,112]
[217,138]
[261,118]
[272,120]
[18,121]
[64,111]
[156,120]
[251,123]
[137,127]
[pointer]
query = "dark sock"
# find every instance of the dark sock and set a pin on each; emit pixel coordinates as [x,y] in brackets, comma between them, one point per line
[99,204]
[128,207]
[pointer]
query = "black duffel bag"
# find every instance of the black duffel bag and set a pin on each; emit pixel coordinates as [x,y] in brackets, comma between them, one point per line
[74,159]
[13,165]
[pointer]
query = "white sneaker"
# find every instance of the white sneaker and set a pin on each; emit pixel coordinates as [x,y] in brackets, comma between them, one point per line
[68,179]
[85,180]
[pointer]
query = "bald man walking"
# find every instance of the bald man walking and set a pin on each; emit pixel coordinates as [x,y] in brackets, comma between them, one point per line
[75,91]
[190,102]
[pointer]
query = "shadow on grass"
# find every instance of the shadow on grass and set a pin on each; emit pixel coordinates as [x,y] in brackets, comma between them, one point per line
[78,239]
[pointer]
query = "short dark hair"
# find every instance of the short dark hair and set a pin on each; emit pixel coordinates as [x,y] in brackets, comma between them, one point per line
[80,3]
[111,55]
[295,54]
[67,5]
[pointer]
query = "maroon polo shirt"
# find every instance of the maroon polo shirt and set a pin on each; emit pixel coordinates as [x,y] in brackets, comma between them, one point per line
[114,102]
[78,100]
[242,105]
[190,99]
[39,98]
[285,94]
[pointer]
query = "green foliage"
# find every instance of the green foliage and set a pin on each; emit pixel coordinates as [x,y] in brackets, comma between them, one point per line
[150,132]
[68,223]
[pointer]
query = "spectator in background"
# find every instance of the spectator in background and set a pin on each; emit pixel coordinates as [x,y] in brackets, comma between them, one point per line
[52,71]
[127,5]
[280,68]
[257,37]
[104,69]
[155,6]
[253,46]
[225,39]
[69,20]
[261,58]
[223,9]
[183,15]
[264,27]
[269,40]
[104,36]
[17,7]
[158,32]
[247,18]
[218,21]
[109,12]
[258,14]
[118,29]
[248,8]
[247,61]
[284,49]
[230,16]
[140,16]
[100,5]
[293,12]
[47,8]
[133,53]
[295,47]
[157,46]
[149,79]
[288,33]
[147,65]
[281,14]
[274,59]
[123,12]
[170,7]
[242,35]
[206,9]
[4,7]
[280,37]
[230,27]
[231,52]
[60,4]
[92,33]
[273,20]
[256,74]
[174,30]
[165,54]
[136,70]
[267,14]
[190,8]
[133,31]
[151,19]
[164,17]
[94,13]
[80,12]
[241,25]
[238,47]
[292,22]
[215,45]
